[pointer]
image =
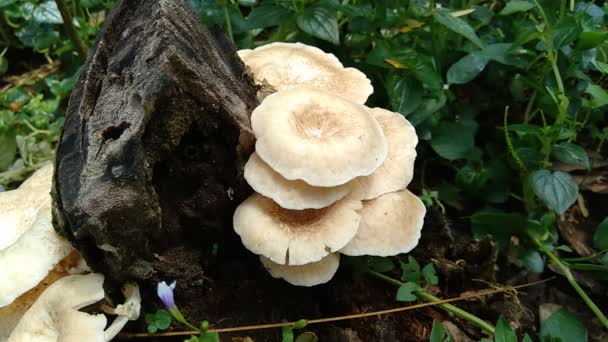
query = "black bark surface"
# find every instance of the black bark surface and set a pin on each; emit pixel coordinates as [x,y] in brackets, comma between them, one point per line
[157,128]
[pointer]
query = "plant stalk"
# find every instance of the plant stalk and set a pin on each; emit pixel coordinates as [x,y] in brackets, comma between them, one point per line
[568,274]
[456,311]
[71,31]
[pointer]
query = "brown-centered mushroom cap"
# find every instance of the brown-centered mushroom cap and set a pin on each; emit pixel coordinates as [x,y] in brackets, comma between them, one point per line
[320,138]
[286,65]
[397,170]
[295,237]
[311,274]
[290,194]
[390,224]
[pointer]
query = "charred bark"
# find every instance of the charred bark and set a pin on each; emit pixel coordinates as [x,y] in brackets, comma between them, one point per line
[157,128]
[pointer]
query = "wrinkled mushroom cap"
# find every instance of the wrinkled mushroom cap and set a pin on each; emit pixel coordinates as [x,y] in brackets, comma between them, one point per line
[390,224]
[19,208]
[290,194]
[295,237]
[311,274]
[322,139]
[39,247]
[55,316]
[286,65]
[398,169]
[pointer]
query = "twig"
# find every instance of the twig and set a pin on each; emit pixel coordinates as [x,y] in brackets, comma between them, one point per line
[478,294]
[71,31]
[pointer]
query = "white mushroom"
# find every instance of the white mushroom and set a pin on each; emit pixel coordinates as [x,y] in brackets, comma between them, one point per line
[129,311]
[290,194]
[323,139]
[398,169]
[295,237]
[286,65]
[55,316]
[390,224]
[311,274]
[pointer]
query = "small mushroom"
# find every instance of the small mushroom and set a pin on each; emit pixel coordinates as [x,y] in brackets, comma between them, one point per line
[295,237]
[129,311]
[390,224]
[38,248]
[55,316]
[323,139]
[311,274]
[290,194]
[398,169]
[286,65]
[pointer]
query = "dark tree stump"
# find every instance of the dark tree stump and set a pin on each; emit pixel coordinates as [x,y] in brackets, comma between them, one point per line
[156,132]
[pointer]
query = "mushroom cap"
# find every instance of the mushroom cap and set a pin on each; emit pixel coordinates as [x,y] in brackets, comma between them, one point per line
[39,247]
[129,311]
[311,274]
[390,225]
[398,169]
[11,314]
[322,139]
[290,194]
[285,65]
[295,237]
[19,207]
[55,316]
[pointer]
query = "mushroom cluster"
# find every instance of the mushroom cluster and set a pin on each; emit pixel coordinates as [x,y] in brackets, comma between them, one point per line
[329,173]
[43,282]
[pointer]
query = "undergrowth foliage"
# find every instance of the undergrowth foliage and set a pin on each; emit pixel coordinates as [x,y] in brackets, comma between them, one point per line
[508,98]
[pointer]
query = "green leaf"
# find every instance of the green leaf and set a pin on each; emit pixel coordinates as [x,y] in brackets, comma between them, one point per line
[300,324]
[47,13]
[6,3]
[405,94]
[600,238]
[381,264]
[437,332]
[556,189]
[307,337]
[163,319]
[410,271]
[516,6]
[8,148]
[532,260]
[209,337]
[266,16]
[562,325]
[457,25]
[429,274]
[467,68]
[527,338]
[599,96]
[3,65]
[503,332]
[287,334]
[152,328]
[590,40]
[571,154]
[454,140]
[321,22]
[405,292]
[566,32]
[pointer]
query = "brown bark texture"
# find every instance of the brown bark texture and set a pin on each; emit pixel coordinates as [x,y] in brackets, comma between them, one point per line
[156,132]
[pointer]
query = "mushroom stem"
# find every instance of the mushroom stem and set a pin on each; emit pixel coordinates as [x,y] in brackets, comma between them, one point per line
[456,311]
[115,328]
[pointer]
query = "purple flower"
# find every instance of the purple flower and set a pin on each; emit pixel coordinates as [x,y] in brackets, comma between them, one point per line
[165,293]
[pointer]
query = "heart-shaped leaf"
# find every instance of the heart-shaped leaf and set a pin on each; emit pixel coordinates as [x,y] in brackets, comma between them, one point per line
[556,189]
[405,292]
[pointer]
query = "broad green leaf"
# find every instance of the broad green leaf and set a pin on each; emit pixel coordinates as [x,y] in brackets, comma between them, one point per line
[516,6]
[6,3]
[429,274]
[405,94]
[410,271]
[503,332]
[571,154]
[43,39]
[162,319]
[287,334]
[599,96]
[405,292]
[527,338]
[590,40]
[300,324]
[437,332]
[8,148]
[321,22]
[566,32]
[467,68]
[307,337]
[457,25]
[381,264]
[266,16]
[600,238]
[562,325]
[556,189]
[454,140]
[152,328]
[532,261]
[47,13]
[209,337]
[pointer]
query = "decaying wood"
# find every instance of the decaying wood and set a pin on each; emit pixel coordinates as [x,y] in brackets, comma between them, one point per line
[156,131]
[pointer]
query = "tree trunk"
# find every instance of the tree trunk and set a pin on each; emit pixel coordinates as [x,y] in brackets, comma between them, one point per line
[157,129]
